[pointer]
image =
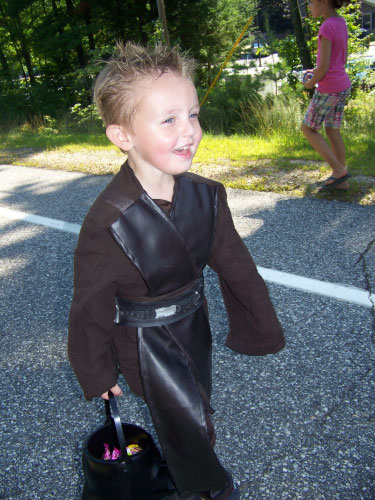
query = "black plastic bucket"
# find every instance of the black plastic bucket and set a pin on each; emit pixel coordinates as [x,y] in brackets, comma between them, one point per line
[142,476]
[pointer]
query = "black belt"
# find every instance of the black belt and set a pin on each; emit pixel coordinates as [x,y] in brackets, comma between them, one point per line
[143,314]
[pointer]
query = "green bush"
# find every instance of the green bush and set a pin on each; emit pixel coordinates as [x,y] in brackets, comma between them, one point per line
[222,111]
[237,106]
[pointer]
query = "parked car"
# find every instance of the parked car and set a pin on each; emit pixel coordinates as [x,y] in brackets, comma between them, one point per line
[361,71]
[360,67]
[363,33]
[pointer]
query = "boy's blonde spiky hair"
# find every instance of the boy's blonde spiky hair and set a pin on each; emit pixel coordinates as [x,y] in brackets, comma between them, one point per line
[114,89]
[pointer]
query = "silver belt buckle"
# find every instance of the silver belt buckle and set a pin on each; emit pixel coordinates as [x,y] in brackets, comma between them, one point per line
[165,312]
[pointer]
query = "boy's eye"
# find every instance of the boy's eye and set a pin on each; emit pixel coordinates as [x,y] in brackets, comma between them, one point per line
[169,120]
[194,115]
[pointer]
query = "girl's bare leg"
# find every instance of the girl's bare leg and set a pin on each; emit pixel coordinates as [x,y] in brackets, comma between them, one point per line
[337,144]
[335,157]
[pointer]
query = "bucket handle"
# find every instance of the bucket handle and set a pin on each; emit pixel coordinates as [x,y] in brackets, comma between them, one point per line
[112,413]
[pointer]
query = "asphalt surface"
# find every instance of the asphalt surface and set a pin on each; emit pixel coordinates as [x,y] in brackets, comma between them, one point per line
[296,425]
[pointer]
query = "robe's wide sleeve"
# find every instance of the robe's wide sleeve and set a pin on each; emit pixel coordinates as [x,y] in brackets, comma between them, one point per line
[253,325]
[91,328]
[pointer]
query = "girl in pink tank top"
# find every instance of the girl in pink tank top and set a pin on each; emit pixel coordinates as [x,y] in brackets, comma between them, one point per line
[332,88]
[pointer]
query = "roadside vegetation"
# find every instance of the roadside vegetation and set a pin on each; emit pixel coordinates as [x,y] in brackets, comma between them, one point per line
[252,139]
[274,157]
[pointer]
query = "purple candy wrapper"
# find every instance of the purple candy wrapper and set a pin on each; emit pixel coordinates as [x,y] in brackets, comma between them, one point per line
[132,449]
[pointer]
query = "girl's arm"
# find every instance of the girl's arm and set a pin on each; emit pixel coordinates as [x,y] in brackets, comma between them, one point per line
[324,61]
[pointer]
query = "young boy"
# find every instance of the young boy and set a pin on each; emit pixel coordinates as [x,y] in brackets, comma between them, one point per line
[138,305]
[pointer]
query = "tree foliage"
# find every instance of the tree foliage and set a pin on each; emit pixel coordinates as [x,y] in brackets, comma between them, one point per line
[208,28]
[304,53]
[289,48]
[48,48]
[351,14]
[274,15]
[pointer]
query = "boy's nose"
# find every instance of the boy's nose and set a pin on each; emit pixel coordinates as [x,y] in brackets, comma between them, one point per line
[188,128]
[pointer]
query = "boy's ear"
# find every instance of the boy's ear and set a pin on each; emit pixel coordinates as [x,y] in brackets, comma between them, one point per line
[119,136]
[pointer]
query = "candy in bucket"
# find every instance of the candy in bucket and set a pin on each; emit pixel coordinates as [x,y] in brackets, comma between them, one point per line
[131,449]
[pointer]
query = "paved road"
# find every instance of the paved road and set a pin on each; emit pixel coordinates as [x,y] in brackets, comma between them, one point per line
[297,425]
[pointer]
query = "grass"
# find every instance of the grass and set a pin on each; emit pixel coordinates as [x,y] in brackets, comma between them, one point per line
[281,162]
[285,163]
[47,139]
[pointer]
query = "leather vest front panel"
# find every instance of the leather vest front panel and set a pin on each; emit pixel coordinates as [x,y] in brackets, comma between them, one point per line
[195,215]
[169,252]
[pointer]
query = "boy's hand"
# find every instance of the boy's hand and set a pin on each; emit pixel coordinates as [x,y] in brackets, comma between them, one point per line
[116,391]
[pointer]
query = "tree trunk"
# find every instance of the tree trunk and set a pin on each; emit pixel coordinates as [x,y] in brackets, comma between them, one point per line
[163,19]
[79,47]
[5,67]
[85,11]
[303,49]
[120,18]
[60,56]
[24,49]
[18,41]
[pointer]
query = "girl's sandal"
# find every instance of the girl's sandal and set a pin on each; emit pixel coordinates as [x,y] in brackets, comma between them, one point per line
[336,182]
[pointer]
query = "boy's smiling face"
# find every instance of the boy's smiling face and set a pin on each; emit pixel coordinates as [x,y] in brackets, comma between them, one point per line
[165,131]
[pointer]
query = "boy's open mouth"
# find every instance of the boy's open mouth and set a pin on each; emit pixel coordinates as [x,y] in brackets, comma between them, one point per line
[184,151]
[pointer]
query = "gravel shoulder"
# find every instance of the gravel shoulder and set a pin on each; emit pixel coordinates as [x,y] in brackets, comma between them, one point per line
[296,177]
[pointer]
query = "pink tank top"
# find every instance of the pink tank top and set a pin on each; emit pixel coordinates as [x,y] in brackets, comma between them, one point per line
[336,79]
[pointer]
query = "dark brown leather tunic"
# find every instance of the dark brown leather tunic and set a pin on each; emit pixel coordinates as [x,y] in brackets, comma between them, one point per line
[98,349]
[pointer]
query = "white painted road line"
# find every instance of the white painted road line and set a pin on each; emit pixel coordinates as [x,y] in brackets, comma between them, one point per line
[335,291]
[41,221]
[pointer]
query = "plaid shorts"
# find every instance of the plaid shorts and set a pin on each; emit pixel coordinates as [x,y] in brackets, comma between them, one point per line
[327,109]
